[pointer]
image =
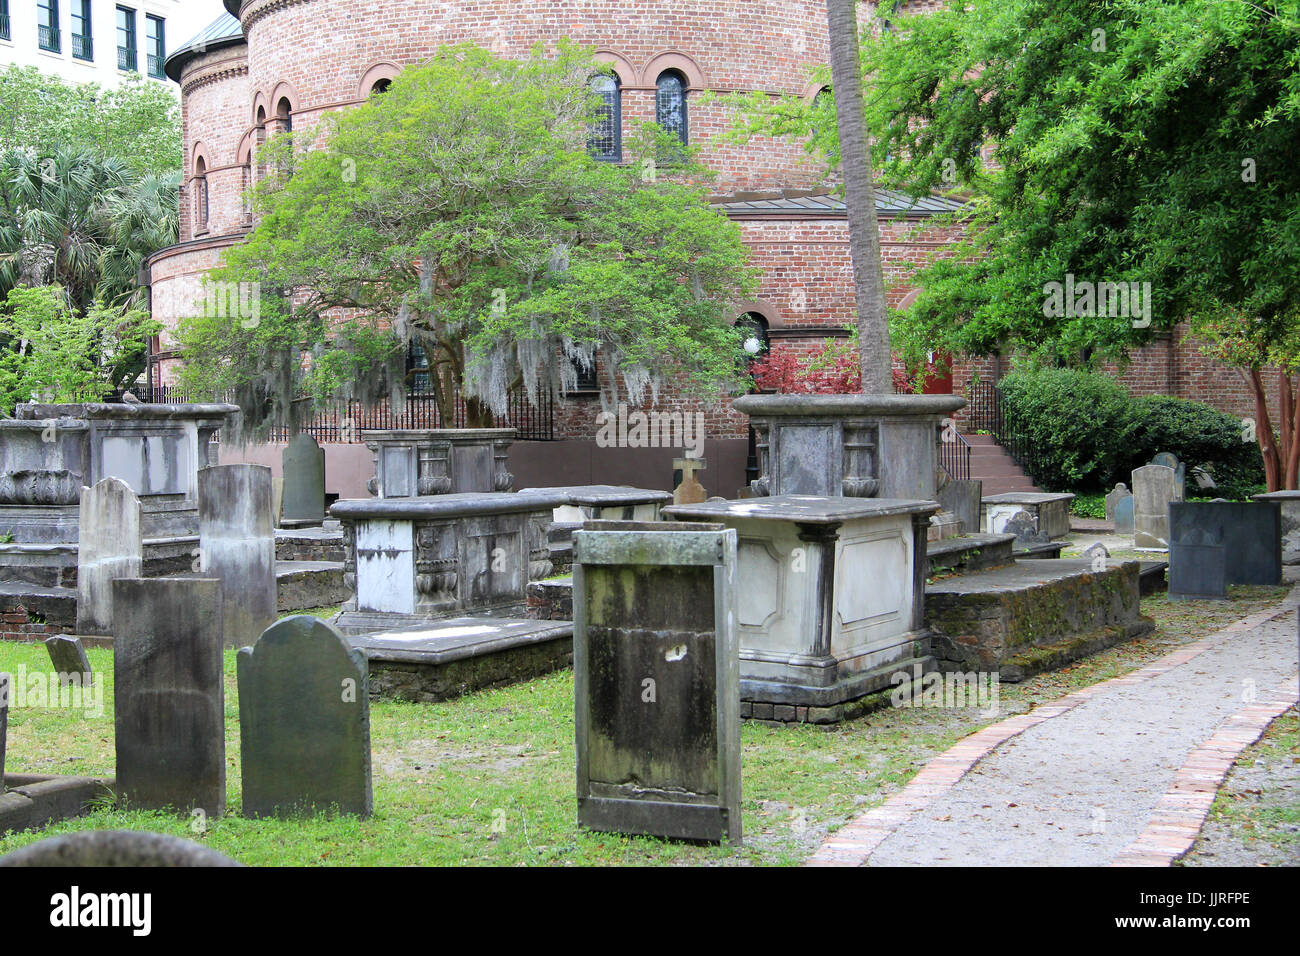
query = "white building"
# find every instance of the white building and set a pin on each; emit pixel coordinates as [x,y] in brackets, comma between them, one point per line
[100,41]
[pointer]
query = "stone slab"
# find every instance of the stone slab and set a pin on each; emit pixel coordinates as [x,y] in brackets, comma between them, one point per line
[804,509]
[169,711]
[303,462]
[444,660]
[304,722]
[68,657]
[110,546]
[1289,501]
[237,546]
[1249,533]
[963,497]
[1049,513]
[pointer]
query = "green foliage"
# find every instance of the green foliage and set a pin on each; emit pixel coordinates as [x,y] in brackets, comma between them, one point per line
[1076,424]
[83,221]
[1088,505]
[60,355]
[138,122]
[1085,433]
[460,211]
[1200,436]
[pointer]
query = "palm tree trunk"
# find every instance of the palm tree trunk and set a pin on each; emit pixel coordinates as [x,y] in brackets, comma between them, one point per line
[864,231]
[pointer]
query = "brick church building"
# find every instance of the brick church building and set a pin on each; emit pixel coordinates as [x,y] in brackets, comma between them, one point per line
[272,65]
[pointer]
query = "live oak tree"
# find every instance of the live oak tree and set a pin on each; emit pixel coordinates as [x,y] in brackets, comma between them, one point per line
[1133,141]
[460,211]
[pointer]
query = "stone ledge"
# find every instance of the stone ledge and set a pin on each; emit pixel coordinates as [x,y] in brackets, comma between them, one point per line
[30,801]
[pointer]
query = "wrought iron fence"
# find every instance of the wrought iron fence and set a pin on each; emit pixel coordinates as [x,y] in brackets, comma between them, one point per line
[126,59]
[4,27]
[954,455]
[83,47]
[988,411]
[49,38]
[345,422]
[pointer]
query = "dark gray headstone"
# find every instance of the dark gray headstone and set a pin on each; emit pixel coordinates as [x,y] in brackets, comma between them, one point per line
[656,677]
[5,684]
[807,454]
[1250,534]
[109,546]
[1124,515]
[115,848]
[237,546]
[303,462]
[962,497]
[169,712]
[304,721]
[1197,562]
[69,657]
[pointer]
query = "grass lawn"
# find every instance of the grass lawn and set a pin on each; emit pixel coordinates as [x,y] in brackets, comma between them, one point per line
[489,778]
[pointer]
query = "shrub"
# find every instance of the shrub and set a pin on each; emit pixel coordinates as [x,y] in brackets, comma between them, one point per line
[1200,436]
[1073,427]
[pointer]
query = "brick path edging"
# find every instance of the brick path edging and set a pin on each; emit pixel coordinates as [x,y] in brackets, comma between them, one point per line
[853,844]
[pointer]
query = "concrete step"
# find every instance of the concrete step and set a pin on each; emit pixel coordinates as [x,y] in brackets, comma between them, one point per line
[981,440]
[1003,484]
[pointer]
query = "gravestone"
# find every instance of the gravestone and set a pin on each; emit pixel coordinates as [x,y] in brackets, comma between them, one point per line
[69,657]
[303,463]
[1098,555]
[115,848]
[5,682]
[1249,534]
[110,546]
[1154,487]
[169,711]
[277,500]
[1025,527]
[1124,515]
[304,721]
[1118,494]
[656,680]
[1289,504]
[1170,460]
[689,491]
[237,546]
[1197,562]
[962,498]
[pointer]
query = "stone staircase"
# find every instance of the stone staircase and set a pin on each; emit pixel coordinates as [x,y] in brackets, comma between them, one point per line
[993,465]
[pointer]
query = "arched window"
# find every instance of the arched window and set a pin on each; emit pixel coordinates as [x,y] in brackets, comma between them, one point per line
[381,87]
[284,114]
[823,105]
[605,140]
[670,104]
[201,194]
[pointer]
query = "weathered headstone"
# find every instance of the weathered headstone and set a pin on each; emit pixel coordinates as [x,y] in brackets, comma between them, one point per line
[69,658]
[1118,494]
[1025,527]
[1124,515]
[304,479]
[1289,504]
[115,848]
[1197,563]
[110,546]
[962,497]
[237,546]
[689,491]
[304,721]
[169,715]
[277,500]
[1154,487]
[1098,555]
[656,680]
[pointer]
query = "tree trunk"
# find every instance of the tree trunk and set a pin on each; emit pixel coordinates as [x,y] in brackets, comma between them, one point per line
[859,196]
[477,414]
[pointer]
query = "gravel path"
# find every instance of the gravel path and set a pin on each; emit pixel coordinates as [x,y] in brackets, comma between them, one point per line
[1077,789]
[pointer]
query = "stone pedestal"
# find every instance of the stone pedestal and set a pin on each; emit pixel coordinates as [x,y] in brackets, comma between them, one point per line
[1289,502]
[49,452]
[411,560]
[439,461]
[832,597]
[857,446]
[1049,513]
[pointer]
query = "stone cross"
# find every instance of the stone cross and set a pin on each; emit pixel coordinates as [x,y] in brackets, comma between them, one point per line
[237,546]
[304,721]
[169,710]
[690,491]
[109,546]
